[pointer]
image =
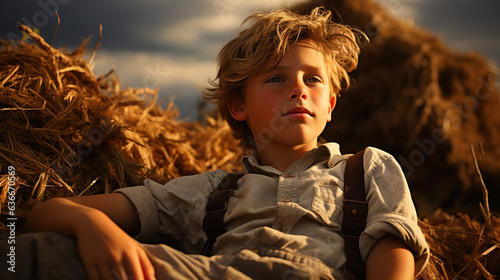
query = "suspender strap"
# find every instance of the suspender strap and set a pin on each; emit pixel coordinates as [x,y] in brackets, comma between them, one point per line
[213,223]
[355,212]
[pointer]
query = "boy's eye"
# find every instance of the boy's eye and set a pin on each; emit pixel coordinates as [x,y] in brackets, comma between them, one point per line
[274,80]
[313,80]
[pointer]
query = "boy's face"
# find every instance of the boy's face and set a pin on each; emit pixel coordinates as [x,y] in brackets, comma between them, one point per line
[289,104]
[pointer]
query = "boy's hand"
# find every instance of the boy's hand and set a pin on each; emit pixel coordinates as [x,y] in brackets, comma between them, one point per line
[107,252]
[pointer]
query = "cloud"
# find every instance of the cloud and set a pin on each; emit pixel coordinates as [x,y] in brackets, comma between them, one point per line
[140,69]
[464,25]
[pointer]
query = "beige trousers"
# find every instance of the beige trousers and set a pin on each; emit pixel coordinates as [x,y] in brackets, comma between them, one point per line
[54,256]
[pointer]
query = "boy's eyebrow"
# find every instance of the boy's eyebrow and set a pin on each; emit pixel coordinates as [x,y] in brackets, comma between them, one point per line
[283,67]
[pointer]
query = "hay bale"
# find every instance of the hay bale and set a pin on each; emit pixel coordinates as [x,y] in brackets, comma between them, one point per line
[68,133]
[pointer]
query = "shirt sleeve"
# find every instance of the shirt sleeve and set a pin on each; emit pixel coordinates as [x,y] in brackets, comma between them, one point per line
[390,207]
[175,209]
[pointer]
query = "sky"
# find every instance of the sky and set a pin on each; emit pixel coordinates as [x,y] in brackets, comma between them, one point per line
[172,45]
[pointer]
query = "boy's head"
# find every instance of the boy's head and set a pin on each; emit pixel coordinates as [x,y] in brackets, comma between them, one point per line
[262,46]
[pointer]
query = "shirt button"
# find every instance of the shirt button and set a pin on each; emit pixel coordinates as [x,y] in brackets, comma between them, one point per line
[281,227]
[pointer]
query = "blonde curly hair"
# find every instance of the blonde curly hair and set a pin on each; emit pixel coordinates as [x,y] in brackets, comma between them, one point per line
[267,40]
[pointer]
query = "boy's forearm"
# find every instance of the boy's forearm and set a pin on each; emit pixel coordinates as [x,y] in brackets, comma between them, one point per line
[389,259]
[58,215]
[66,215]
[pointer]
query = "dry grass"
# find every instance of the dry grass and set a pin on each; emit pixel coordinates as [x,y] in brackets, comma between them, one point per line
[461,247]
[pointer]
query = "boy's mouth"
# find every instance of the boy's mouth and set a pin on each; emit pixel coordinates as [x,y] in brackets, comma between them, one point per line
[297,111]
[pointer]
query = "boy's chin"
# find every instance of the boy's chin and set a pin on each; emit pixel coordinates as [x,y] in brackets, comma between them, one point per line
[298,140]
[291,136]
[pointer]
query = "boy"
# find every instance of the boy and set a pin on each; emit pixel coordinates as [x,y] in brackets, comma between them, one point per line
[276,86]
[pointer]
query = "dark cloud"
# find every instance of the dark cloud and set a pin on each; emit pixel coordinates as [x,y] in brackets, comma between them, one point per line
[135,25]
[127,24]
[465,25]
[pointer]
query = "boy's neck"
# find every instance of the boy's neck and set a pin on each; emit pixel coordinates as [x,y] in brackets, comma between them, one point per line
[281,157]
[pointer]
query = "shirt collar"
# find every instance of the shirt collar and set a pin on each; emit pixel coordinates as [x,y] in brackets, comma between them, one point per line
[329,152]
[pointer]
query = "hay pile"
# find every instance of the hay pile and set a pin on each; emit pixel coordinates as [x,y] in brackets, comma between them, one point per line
[69,133]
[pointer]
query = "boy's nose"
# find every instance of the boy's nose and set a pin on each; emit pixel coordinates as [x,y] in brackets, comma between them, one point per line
[298,91]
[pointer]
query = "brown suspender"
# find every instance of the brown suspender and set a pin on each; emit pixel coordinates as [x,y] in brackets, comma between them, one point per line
[355,212]
[353,222]
[213,223]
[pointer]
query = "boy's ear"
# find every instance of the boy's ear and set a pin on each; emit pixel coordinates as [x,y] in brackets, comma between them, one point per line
[236,108]
[333,102]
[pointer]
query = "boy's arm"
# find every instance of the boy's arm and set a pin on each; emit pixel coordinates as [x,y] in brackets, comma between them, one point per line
[48,215]
[389,259]
[97,222]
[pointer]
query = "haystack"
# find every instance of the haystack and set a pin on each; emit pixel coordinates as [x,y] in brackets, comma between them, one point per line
[422,102]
